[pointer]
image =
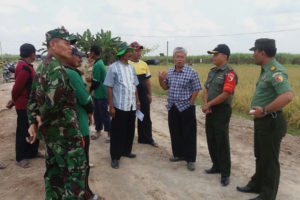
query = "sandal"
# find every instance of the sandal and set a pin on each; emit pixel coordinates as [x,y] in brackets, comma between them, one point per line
[40,155]
[2,166]
[97,197]
[95,136]
[154,144]
[23,163]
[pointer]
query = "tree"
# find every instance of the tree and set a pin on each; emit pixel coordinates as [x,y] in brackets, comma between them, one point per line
[107,43]
[85,41]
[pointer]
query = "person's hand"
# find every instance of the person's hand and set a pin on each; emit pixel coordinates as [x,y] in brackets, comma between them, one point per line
[39,120]
[90,117]
[88,79]
[112,111]
[149,98]
[258,112]
[138,105]
[32,133]
[10,104]
[162,76]
[206,109]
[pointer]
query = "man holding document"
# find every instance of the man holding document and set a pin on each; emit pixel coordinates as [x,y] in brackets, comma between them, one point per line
[121,82]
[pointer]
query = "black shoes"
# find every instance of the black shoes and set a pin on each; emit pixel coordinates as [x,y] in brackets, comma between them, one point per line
[115,164]
[212,170]
[246,189]
[130,155]
[191,166]
[257,198]
[175,159]
[225,180]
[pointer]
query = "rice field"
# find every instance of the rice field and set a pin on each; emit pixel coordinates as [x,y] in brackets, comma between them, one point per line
[248,75]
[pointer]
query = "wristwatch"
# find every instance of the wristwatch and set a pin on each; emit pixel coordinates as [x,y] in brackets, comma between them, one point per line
[264,111]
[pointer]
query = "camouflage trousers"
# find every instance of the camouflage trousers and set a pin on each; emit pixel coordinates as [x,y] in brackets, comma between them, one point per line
[65,170]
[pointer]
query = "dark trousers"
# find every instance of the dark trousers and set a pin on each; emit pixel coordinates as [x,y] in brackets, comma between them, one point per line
[24,150]
[268,133]
[183,131]
[122,133]
[101,115]
[217,136]
[88,193]
[145,126]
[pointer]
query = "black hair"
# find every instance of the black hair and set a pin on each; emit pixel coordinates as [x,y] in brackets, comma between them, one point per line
[26,50]
[271,52]
[95,49]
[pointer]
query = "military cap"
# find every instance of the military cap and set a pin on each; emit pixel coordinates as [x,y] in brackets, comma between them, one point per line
[221,48]
[121,49]
[136,45]
[60,33]
[264,44]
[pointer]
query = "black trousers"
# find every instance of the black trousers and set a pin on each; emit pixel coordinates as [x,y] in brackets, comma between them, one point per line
[88,193]
[183,131]
[217,136]
[122,133]
[101,115]
[24,150]
[145,126]
[268,133]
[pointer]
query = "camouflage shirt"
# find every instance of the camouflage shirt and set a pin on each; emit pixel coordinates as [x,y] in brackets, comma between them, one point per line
[52,97]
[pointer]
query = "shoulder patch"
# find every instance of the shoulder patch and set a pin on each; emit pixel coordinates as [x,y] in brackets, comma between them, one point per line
[230,76]
[279,78]
[272,68]
[276,73]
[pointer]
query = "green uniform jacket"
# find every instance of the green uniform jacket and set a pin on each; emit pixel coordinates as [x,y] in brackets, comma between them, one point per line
[215,82]
[82,97]
[272,82]
[99,74]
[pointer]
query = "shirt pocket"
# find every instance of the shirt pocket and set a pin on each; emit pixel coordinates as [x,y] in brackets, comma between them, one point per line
[218,83]
[263,85]
[184,83]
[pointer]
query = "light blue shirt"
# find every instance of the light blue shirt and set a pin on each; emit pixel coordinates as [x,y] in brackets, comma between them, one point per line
[123,81]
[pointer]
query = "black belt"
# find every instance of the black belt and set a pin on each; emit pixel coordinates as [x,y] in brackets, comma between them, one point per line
[274,114]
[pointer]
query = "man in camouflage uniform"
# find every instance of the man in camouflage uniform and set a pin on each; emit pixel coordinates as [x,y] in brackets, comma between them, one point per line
[52,110]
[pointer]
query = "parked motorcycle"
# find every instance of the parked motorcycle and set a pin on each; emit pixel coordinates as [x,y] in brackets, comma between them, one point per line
[8,72]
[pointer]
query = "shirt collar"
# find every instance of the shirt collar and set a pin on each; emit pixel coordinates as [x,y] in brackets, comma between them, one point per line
[183,69]
[21,59]
[267,66]
[222,68]
[97,60]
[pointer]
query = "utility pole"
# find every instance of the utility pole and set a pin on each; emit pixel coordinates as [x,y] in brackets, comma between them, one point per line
[0,49]
[167,53]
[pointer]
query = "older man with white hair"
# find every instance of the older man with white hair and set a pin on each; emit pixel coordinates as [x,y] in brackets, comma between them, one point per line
[183,84]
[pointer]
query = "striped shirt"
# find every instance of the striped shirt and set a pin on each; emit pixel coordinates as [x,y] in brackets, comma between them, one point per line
[123,81]
[181,85]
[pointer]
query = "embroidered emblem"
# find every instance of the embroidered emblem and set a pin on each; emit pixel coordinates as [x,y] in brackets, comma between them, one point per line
[272,68]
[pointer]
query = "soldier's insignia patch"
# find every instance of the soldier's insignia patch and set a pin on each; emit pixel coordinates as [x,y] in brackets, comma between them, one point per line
[276,73]
[272,68]
[279,79]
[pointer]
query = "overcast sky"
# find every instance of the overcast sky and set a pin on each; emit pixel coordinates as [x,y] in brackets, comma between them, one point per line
[194,24]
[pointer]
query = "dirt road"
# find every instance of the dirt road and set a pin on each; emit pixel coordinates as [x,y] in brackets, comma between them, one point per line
[151,176]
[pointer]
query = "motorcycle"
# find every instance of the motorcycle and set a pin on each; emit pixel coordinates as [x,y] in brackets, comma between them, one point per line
[8,71]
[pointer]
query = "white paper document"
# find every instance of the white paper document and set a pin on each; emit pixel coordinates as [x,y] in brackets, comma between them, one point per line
[139,115]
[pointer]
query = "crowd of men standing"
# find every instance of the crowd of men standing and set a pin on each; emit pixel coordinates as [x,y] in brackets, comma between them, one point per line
[54,105]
